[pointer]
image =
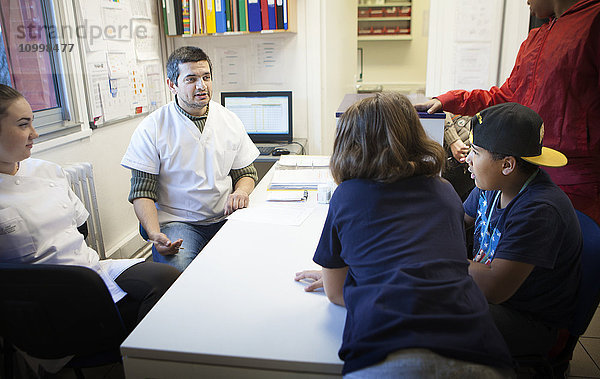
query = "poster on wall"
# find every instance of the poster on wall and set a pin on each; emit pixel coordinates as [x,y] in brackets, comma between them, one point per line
[268,62]
[232,68]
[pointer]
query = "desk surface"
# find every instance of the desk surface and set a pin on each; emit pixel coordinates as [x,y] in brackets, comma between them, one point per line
[238,307]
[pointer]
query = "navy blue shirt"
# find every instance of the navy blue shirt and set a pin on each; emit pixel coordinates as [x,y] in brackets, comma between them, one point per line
[540,227]
[408,284]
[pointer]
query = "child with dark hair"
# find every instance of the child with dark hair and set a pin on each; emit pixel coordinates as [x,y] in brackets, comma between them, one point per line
[393,253]
[527,239]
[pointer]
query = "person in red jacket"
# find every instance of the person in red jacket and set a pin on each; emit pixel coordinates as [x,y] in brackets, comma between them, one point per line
[557,74]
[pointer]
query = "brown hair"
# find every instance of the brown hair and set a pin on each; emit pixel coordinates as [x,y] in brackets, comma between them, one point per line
[7,96]
[381,138]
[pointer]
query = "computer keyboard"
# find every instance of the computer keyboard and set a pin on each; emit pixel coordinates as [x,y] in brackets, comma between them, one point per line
[266,150]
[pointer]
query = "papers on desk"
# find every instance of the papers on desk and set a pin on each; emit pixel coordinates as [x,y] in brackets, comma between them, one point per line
[280,214]
[286,196]
[304,161]
[300,179]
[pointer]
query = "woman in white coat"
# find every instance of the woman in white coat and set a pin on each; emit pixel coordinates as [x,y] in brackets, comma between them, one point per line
[41,218]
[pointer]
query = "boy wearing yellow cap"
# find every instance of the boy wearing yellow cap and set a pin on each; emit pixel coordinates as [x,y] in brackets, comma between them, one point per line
[527,242]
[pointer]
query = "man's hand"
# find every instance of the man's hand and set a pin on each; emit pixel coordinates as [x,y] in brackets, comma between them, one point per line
[315,275]
[238,199]
[459,150]
[163,245]
[431,106]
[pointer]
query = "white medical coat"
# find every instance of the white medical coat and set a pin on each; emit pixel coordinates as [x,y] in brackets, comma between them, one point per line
[39,216]
[192,166]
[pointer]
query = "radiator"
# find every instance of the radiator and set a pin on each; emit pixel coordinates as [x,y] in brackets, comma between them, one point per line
[81,179]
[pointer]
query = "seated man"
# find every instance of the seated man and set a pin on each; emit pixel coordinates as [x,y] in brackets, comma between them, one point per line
[196,164]
[528,242]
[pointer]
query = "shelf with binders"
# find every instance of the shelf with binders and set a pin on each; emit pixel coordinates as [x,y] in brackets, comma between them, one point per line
[380,20]
[229,17]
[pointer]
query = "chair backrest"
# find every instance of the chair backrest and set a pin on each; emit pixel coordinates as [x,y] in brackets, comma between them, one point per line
[52,311]
[589,288]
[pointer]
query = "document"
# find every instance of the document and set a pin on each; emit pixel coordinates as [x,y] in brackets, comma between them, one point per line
[304,161]
[306,178]
[287,195]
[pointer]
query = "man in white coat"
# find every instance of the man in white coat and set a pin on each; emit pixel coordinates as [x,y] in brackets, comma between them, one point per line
[191,162]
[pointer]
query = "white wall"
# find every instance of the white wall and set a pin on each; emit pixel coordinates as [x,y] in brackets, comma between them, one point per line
[514,32]
[338,64]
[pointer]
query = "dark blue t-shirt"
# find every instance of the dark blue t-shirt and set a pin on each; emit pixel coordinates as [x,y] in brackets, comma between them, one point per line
[408,284]
[539,227]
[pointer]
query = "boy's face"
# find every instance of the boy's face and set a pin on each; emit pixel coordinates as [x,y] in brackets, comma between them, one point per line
[486,170]
[541,8]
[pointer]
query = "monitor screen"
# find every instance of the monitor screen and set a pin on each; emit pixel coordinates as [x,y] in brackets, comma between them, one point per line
[267,116]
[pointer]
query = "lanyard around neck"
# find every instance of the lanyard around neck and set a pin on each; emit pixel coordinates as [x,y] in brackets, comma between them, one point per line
[495,202]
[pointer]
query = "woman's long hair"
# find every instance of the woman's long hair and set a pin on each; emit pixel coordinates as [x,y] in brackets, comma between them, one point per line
[381,138]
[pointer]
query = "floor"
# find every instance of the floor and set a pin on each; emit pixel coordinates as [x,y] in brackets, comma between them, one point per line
[585,363]
[586,357]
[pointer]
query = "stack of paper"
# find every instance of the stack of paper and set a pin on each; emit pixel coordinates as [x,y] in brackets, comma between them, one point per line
[308,178]
[286,196]
[304,161]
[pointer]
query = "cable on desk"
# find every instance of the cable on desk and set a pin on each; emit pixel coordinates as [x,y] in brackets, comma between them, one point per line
[302,151]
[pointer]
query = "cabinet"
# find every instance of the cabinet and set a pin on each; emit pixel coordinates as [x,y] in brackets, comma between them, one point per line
[380,20]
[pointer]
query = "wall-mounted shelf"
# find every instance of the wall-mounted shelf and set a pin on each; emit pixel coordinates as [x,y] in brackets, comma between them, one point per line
[385,38]
[387,4]
[236,33]
[233,18]
[384,21]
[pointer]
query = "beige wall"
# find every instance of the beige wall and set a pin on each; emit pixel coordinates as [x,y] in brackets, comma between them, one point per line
[400,65]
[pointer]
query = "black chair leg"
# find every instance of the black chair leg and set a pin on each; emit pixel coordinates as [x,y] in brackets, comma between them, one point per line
[9,355]
[78,373]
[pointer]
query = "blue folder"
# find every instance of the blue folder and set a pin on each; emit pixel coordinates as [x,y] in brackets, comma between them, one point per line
[254,17]
[272,15]
[220,16]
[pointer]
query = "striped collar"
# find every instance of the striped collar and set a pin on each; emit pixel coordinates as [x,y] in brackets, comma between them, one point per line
[191,117]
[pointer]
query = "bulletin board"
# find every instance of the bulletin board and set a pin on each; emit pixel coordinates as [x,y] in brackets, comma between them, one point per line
[465,39]
[122,60]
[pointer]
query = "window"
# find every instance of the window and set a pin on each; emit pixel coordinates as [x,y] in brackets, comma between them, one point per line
[30,62]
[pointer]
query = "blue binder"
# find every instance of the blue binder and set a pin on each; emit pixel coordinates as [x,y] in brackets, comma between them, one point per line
[272,15]
[254,18]
[220,16]
[285,14]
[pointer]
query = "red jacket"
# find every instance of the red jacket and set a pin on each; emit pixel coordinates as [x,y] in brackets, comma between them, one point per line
[557,74]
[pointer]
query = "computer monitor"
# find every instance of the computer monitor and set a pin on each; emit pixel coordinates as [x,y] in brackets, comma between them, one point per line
[266,115]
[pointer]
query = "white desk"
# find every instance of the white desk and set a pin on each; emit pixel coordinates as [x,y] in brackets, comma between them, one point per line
[236,311]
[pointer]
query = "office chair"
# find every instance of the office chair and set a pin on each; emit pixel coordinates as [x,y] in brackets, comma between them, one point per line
[53,311]
[588,299]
